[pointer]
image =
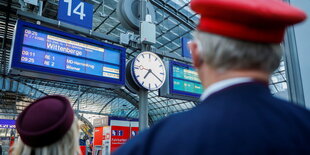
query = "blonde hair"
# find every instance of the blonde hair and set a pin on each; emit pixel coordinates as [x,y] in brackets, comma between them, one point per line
[68,145]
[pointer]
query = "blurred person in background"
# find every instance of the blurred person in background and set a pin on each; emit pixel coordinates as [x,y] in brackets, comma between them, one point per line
[236,49]
[88,146]
[47,127]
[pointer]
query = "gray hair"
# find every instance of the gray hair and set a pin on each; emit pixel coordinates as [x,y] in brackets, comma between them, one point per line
[223,53]
[69,144]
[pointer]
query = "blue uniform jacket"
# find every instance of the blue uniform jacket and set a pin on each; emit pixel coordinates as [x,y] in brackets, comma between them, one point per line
[241,119]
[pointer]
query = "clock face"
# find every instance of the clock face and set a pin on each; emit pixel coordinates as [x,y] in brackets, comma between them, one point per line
[149,71]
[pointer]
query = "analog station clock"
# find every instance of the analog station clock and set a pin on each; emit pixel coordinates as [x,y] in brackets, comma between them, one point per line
[148,71]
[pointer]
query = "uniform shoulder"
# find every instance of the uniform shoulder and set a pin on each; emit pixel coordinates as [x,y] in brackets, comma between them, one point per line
[161,135]
[293,107]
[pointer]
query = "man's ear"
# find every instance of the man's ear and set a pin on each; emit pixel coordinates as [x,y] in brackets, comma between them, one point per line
[194,48]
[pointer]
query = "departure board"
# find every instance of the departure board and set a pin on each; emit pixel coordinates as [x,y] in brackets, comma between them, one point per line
[185,79]
[42,49]
[183,82]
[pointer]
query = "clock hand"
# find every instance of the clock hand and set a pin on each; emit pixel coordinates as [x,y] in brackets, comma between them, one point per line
[149,71]
[156,76]
[141,67]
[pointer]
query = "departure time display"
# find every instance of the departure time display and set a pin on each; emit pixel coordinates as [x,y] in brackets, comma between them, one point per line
[185,79]
[56,52]
[42,49]
[183,82]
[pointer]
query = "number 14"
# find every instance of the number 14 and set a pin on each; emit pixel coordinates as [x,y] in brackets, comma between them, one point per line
[76,9]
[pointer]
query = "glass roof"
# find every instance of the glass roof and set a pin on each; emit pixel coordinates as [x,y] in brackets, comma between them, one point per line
[174,20]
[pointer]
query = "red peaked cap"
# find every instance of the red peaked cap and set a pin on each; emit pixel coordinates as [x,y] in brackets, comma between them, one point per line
[252,20]
[45,121]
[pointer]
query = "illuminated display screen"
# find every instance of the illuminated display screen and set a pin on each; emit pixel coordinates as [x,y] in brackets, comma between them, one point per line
[66,54]
[185,80]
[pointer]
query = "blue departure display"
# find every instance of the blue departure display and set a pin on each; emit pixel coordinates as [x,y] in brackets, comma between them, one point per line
[184,79]
[57,52]
[183,82]
[49,50]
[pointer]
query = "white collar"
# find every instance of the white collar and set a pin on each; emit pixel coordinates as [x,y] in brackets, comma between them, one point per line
[222,85]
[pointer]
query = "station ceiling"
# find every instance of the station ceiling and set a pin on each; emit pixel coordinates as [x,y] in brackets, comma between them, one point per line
[174,20]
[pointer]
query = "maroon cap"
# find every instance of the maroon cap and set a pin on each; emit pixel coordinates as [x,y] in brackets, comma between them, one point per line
[251,20]
[45,121]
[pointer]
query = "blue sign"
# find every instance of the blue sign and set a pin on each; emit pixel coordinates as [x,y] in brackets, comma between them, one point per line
[120,133]
[45,50]
[183,82]
[76,12]
[117,132]
[133,133]
[7,124]
[114,132]
[185,50]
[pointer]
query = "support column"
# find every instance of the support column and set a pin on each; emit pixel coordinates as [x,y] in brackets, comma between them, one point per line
[143,109]
[297,58]
[143,94]
[293,74]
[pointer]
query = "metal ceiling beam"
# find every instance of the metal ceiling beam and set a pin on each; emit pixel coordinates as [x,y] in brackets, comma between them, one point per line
[94,113]
[77,99]
[107,104]
[95,29]
[183,6]
[164,19]
[26,85]
[132,100]
[132,110]
[127,97]
[65,86]
[63,25]
[113,28]
[167,31]
[84,112]
[174,13]
[172,40]
[95,10]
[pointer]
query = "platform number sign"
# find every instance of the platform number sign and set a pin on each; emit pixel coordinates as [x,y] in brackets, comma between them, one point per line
[76,12]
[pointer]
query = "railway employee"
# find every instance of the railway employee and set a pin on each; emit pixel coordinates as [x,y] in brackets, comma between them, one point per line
[235,51]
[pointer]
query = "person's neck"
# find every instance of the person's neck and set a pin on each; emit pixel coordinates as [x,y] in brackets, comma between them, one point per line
[220,76]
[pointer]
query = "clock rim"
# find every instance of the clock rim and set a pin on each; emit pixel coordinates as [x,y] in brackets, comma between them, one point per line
[134,75]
